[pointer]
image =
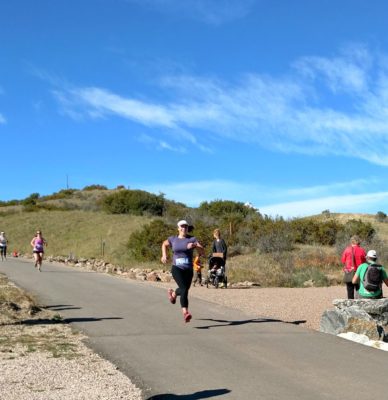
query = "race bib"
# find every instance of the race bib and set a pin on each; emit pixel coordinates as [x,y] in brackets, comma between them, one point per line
[182,261]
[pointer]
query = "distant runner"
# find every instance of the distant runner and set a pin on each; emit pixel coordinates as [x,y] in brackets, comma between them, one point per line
[3,246]
[38,243]
[182,246]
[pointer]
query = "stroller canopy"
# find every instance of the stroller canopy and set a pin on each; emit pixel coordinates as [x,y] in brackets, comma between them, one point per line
[216,261]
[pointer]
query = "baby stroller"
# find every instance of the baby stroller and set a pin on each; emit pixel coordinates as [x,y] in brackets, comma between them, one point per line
[216,273]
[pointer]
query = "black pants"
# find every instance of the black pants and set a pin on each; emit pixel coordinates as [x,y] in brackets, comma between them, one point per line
[3,251]
[350,287]
[183,278]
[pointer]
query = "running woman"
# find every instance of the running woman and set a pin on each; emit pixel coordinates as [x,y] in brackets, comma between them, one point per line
[182,247]
[3,246]
[38,243]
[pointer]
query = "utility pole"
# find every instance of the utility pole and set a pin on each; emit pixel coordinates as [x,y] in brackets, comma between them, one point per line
[67,181]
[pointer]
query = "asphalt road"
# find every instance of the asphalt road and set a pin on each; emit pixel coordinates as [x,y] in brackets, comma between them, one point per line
[221,353]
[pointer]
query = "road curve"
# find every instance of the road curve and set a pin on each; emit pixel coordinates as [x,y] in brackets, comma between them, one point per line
[221,353]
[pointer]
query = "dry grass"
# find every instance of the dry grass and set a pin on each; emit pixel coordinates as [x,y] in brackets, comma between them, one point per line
[79,233]
[317,264]
[25,328]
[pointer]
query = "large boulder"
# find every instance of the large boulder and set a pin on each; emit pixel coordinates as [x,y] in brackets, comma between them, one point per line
[361,316]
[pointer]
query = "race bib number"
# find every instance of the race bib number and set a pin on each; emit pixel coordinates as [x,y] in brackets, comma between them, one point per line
[182,261]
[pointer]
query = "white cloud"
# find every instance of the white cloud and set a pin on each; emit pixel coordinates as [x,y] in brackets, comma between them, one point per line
[2,119]
[343,114]
[161,144]
[347,72]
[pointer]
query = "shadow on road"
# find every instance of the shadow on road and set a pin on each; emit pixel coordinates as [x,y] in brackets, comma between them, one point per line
[203,394]
[61,307]
[223,322]
[62,321]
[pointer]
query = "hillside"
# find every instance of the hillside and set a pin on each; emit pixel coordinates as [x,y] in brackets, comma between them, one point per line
[74,224]
[77,232]
[380,227]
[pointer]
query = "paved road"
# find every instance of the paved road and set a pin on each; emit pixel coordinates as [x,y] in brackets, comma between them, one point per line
[220,354]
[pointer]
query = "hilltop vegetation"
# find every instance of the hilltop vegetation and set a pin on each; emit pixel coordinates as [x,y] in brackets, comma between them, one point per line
[126,227]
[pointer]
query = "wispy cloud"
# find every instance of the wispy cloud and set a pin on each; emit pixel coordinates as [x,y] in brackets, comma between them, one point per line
[213,12]
[2,119]
[161,144]
[324,106]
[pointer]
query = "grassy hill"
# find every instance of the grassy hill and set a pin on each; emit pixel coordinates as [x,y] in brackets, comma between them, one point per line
[73,223]
[380,227]
[73,232]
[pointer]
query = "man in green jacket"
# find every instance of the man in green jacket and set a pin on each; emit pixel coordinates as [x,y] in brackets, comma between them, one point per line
[380,273]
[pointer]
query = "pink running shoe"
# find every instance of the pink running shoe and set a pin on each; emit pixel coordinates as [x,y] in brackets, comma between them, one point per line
[187,317]
[170,296]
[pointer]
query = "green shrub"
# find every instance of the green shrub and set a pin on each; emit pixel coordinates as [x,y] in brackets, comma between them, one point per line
[30,201]
[381,216]
[219,208]
[275,241]
[146,244]
[300,276]
[9,203]
[135,202]
[364,230]
[311,231]
[95,187]
[62,194]
[174,211]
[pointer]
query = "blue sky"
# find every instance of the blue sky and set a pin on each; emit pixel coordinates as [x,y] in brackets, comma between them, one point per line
[283,104]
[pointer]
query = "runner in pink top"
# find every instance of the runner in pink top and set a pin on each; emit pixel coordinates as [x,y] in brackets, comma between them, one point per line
[38,243]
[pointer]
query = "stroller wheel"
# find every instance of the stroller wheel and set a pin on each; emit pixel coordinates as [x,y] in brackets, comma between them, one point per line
[216,282]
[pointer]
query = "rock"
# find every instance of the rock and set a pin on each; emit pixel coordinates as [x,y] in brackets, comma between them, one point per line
[142,276]
[243,285]
[361,316]
[363,339]
[375,307]
[153,277]
[309,283]
[131,275]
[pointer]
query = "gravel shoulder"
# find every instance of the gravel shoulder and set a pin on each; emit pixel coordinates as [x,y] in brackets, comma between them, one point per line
[285,304]
[32,370]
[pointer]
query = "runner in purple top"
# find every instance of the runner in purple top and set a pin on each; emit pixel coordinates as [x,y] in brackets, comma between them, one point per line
[182,246]
[38,243]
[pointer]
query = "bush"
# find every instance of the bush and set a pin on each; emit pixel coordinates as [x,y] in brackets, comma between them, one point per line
[381,216]
[135,202]
[146,244]
[364,230]
[311,231]
[275,242]
[62,194]
[219,208]
[174,211]
[30,201]
[300,276]
[9,203]
[95,187]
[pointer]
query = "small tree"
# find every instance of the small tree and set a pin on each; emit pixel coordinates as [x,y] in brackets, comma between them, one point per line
[381,216]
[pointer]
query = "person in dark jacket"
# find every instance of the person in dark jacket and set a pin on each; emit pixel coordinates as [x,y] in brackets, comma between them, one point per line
[219,244]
